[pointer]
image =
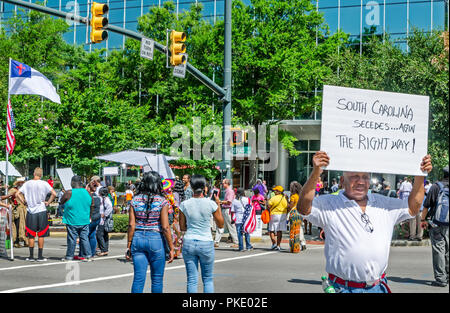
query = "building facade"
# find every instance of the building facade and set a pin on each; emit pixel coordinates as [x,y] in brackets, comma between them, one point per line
[396,18]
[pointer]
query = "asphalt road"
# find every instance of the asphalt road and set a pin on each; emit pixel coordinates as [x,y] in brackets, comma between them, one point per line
[258,271]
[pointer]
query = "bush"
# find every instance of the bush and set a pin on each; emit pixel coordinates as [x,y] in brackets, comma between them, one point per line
[120,223]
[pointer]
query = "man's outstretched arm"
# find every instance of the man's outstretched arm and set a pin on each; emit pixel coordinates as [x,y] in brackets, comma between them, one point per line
[307,194]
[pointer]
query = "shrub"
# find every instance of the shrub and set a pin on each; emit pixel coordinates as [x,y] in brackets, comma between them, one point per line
[120,223]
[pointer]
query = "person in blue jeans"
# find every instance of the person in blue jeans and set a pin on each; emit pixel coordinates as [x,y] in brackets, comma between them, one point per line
[78,205]
[238,209]
[198,244]
[148,233]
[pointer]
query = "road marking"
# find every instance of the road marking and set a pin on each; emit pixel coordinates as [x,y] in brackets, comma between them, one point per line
[37,264]
[71,283]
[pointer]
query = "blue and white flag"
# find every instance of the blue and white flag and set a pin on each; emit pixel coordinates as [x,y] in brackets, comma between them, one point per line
[25,80]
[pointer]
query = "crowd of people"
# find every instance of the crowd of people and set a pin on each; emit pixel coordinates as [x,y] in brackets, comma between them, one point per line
[186,218]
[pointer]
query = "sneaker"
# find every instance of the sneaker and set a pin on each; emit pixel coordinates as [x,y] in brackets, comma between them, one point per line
[41,259]
[303,248]
[438,284]
[30,259]
[250,249]
[278,248]
[66,259]
[274,246]
[243,250]
[86,259]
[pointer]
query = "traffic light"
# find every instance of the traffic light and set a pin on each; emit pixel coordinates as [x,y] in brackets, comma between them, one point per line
[98,22]
[177,47]
[237,136]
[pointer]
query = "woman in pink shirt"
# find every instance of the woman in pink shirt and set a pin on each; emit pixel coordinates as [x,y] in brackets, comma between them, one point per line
[258,201]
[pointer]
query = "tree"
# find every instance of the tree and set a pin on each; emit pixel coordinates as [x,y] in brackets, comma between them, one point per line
[422,71]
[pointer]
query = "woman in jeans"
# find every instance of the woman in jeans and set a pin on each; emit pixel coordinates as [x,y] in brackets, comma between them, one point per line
[106,210]
[238,208]
[148,233]
[198,244]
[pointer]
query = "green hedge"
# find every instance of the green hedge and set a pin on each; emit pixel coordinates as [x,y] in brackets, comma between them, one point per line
[120,223]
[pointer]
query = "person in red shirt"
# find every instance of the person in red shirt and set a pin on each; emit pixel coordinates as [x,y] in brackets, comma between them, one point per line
[50,181]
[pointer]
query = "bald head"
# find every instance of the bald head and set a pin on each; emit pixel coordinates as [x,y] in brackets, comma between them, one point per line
[356,185]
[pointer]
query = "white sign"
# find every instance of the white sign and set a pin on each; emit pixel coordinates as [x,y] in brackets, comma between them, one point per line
[65,175]
[257,233]
[147,46]
[111,171]
[374,131]
[3,228]
[180,70]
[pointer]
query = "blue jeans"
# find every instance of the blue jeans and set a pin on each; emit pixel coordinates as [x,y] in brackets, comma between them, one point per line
[73,232]
[239,230]
[147,248]
[194,252]
[379,288]
[93,236]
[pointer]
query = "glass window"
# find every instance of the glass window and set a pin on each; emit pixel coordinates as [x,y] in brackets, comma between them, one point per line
[329,9]
[396,17]
[298,168]
[373,11]
[208,8]
[301,145]
[314,145]
[419,16]
[350,16]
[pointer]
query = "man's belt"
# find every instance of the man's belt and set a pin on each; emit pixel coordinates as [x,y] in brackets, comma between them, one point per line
[354,284]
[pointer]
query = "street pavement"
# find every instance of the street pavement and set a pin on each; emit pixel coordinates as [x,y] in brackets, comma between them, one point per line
[258,271]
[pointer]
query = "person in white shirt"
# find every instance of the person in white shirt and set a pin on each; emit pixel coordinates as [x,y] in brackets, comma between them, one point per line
[405,188]
[238,209]
[358,226]
[33,194]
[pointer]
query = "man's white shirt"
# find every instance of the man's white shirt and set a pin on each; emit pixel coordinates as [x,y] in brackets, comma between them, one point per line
[35,192]
[351,252]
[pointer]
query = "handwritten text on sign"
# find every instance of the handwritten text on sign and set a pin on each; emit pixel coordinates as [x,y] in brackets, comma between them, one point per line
[374,131]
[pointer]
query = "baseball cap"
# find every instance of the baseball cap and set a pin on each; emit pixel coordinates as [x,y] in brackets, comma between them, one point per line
[278,188]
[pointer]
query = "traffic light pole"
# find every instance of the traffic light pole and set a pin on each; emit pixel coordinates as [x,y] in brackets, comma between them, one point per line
[224,93]
[226,133]
[219,91]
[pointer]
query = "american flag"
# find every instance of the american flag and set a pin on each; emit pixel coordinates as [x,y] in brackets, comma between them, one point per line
[11,124]
[249,218]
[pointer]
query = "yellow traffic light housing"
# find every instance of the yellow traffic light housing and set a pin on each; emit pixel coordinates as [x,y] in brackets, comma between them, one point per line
[177,47]
[98,22]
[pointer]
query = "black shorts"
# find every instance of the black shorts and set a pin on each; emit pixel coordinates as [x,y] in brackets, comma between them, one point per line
[37,225]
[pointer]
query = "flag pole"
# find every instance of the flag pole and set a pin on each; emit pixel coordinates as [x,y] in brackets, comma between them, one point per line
[11,239]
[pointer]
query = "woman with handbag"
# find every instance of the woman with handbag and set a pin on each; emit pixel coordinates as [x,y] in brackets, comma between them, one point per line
[106,222]
[278,217]
[149,234]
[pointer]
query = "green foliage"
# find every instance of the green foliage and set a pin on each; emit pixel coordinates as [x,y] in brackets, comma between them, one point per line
[384,66]
[120,223]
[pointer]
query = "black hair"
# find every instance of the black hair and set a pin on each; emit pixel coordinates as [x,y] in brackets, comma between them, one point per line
[198,183]
[76,182]
[240,192]
[151,184]
[103,192]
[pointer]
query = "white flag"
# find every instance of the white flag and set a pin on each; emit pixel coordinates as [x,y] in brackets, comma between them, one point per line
[25,80]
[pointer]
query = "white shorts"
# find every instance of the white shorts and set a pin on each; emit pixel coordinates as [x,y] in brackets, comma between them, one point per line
[277,222]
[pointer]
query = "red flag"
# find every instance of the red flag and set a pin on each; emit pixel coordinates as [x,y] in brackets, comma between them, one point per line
[10,125]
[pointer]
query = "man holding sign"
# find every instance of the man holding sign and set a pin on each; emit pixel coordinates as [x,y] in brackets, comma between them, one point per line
[358,226]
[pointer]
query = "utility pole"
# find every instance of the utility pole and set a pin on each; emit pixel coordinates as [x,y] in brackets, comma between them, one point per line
[226,134]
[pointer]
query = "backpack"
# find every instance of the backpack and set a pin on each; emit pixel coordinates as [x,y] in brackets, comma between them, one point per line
[96,213]
[109,221]
[441,212]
